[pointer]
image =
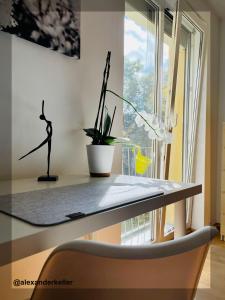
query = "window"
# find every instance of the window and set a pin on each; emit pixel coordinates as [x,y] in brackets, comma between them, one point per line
[139,80]
[150,42]
[185,107]
[139,86]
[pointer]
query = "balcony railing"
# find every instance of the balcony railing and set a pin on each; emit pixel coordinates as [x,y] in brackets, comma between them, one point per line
[138,230]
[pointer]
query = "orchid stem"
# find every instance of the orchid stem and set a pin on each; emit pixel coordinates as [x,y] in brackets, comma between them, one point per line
[115,94]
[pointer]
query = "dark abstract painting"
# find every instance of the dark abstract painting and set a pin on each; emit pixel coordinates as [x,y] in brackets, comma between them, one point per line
[54,24]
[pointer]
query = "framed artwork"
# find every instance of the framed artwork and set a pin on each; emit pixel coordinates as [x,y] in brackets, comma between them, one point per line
[54,24]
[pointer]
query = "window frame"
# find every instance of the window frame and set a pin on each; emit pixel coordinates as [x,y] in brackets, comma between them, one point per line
[180,207]
[182,9]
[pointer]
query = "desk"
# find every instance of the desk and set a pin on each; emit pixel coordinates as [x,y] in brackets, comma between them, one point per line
[26,240]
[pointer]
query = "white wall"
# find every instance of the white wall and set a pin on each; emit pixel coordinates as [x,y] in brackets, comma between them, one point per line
[5,105]
[221,110]
[204,209]
[71,89]
[198,212]
[215,115]
[215,111]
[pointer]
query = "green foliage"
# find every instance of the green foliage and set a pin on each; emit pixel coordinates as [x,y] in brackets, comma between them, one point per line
[138,86]
[109,140]
[103,138]
[94,134]
[100,134]
[107,125]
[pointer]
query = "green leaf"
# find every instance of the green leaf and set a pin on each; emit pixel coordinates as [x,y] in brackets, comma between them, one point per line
[107,125]
[94,134]
[109,140]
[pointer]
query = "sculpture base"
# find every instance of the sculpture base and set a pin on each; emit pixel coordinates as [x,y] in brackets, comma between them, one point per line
[48,178]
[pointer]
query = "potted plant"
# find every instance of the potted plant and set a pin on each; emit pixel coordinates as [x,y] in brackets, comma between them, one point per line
[100,151]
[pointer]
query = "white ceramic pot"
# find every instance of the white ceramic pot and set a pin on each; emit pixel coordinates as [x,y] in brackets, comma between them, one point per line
[100,159]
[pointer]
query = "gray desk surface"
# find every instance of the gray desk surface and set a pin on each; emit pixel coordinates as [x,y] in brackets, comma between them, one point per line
[26,239]
[58,205]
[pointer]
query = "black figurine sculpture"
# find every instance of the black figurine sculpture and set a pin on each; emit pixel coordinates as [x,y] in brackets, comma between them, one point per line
[48,140]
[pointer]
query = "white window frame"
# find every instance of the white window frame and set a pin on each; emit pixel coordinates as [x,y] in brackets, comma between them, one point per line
[180,208]
[181,8]
[202,26]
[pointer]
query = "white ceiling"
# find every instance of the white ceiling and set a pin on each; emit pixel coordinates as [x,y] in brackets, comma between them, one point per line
[218,6]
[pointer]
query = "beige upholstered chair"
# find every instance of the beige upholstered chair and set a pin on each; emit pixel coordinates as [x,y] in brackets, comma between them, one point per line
[169,270]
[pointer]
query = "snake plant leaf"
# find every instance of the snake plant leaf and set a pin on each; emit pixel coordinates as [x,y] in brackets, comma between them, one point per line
[107,125]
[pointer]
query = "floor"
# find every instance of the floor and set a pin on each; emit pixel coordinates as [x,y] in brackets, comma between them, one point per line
[212,281]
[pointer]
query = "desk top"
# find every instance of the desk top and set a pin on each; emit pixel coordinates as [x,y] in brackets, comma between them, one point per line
[58,205]
[27,239]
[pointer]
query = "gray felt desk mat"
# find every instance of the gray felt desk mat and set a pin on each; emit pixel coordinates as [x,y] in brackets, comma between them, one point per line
[52,206]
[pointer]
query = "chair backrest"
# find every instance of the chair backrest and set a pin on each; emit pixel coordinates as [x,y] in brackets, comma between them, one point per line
[168,270]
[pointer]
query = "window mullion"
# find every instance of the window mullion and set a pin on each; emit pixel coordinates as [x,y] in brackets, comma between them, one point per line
[173,76]
[158,108]
[170,108]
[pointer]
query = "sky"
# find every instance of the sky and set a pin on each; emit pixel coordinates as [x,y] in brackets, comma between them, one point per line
[139,44]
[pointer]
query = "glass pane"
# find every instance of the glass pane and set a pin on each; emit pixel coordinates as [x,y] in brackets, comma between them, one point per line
[139,88]
[167,49]
[139,81]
